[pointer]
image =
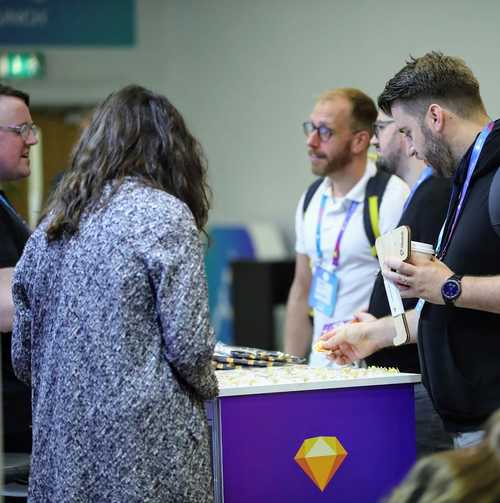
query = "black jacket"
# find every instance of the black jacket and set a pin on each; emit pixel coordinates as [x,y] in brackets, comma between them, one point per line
[460,348]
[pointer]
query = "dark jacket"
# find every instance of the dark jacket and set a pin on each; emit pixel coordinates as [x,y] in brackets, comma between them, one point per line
[460,348]
[16,397]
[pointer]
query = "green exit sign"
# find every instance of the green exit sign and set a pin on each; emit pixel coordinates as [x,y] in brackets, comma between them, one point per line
[22,65]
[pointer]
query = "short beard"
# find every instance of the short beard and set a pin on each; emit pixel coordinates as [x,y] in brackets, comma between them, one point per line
[384,164]
[438,154]
[334,165]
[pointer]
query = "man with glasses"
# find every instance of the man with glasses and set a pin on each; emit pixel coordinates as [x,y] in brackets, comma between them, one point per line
[335,268]
[424,212]
[17,135]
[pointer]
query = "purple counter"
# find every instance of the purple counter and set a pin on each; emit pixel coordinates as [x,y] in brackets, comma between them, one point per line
[256,438]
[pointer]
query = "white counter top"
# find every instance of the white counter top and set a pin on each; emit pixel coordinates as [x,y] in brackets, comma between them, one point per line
[255,381]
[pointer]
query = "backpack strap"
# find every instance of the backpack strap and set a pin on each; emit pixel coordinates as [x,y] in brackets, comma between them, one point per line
[310,193]
[375,189]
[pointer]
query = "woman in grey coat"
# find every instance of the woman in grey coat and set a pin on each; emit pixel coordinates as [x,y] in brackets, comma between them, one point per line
[112,326]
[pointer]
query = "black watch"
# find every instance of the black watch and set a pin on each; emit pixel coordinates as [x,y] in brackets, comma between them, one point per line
[451,289]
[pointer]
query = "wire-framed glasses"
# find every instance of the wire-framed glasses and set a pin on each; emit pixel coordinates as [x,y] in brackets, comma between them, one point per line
[23,130]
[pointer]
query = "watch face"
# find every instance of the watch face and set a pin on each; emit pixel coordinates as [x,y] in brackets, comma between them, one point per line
[451,289]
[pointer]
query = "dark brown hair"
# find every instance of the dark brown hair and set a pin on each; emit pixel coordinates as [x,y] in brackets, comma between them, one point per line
[133,133]
[434,77]
[15,93]
[363,113]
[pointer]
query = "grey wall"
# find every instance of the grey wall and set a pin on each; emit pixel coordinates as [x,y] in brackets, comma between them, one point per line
[246,73]
[85,76]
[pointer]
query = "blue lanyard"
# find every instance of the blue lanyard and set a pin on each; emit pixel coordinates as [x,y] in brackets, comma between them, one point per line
[476,151]
[6,203]
[426,173]
[336,251]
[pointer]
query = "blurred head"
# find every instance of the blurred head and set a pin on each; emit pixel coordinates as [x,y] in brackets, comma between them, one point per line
[459,476]
[421,95]
[390,145]
[133,133]
[339,129]
[493,432]
[17,134]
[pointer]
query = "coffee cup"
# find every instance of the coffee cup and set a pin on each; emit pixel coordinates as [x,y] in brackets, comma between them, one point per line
[420,253]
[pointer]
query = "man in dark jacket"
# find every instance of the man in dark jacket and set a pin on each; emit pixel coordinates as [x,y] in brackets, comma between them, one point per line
[436,104]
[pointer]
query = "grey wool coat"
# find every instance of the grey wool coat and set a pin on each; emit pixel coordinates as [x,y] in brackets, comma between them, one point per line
[112,333]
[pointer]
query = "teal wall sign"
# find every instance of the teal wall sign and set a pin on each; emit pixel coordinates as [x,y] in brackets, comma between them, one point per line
[67,22]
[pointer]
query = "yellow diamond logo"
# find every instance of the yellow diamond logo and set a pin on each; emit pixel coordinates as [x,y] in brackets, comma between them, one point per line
[320,458]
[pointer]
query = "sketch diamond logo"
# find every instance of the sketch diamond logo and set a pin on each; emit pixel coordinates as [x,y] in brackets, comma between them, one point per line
[320,458]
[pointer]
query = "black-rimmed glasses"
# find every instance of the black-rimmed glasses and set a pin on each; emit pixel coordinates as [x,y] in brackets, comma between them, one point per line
[22,130]
[324,132]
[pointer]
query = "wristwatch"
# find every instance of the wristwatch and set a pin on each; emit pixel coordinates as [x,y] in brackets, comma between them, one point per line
[451,289]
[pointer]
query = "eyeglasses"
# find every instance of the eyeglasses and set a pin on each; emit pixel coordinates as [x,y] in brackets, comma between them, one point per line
[23,130]
[379,126]
[324,132]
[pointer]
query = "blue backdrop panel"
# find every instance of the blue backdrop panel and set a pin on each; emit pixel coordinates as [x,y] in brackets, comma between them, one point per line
[227,243]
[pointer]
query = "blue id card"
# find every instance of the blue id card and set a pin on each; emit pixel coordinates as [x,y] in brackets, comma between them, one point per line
[323,293]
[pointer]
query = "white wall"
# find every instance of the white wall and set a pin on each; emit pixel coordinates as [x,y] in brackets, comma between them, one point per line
[245,75]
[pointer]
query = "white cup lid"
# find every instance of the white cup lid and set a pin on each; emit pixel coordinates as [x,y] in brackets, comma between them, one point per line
[416,246]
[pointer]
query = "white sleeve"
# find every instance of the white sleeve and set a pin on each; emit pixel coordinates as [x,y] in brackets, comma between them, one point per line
[392,204]
[300,246]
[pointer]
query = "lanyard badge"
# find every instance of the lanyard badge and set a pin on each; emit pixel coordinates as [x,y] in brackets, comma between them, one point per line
[323,293]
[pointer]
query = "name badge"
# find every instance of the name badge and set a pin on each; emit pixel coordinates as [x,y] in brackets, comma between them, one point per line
[323,293]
